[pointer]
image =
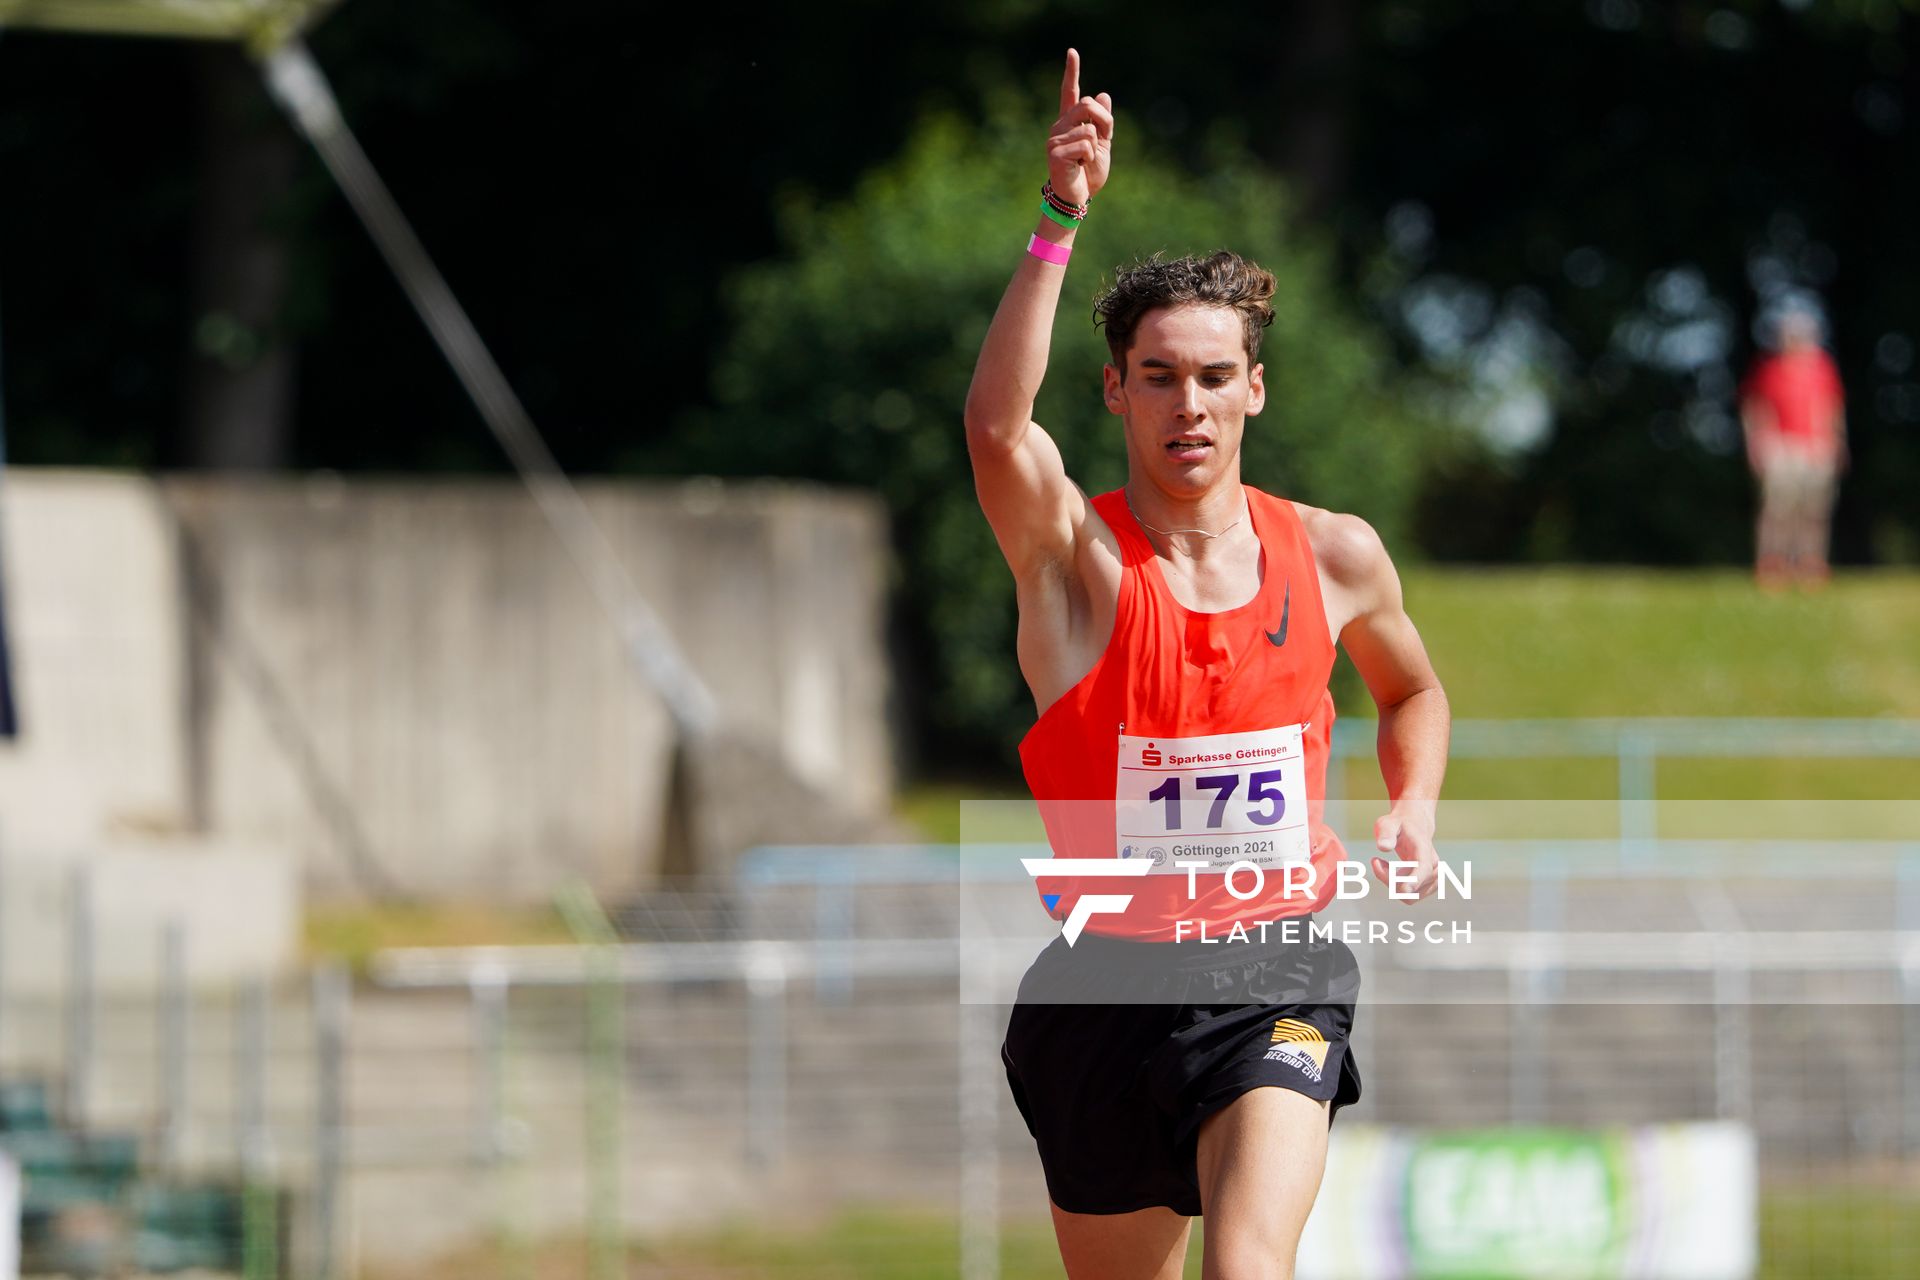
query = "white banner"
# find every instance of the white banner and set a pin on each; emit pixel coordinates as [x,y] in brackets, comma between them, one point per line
[1655,1202]
[9,1218]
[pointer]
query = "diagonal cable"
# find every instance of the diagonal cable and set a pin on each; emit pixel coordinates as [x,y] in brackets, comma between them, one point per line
[300,87]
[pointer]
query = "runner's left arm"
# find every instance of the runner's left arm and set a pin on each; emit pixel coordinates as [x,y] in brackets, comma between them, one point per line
[1414,716]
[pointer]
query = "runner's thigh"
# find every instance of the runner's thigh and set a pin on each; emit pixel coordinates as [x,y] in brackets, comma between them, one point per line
[1147,1244]
[1260,1160]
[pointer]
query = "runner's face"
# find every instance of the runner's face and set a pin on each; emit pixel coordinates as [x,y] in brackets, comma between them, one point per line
[1186,398]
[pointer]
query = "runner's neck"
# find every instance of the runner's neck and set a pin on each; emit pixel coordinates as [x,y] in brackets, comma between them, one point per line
[1200,529]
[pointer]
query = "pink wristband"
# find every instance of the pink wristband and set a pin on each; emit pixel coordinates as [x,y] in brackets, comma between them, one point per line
[1048,251]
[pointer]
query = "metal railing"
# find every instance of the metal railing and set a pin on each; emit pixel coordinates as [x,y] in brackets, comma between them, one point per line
[827,1030]
[1638,745]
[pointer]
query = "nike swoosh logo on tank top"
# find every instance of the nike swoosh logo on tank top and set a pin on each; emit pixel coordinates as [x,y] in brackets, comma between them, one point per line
[1278,638]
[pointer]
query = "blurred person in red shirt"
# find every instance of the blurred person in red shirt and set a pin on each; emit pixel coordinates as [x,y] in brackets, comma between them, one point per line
[1794,412]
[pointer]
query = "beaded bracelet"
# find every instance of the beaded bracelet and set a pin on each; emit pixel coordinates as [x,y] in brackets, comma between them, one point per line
[1061,205]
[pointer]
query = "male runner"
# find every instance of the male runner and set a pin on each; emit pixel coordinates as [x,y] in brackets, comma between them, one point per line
[1187,617]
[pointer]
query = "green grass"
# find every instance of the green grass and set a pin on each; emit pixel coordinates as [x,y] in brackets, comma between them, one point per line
[933,808]
[1638,642]
[857,1245]
[1858,1233]
[353,932]
[1818,1233]
[1811,1234]
[1601,643]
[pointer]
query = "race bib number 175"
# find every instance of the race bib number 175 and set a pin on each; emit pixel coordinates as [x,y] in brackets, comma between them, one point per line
[1219,799]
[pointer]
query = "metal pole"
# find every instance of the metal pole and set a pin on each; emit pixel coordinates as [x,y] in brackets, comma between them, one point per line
[1906,919]
[259,1228]
[1526,1049]
[80,995]
[1335,804]
[981,1024]
[1533,984]
[766,1057]
[1639,788]
[606,1079]
[487,993]
[1547,915]
[834,900]
[1910,1054]
[499,1142]
[332,1010]
[249,1043]
[175,1028]
[977,1043]
[1732,1040]
[606,1114]
[1334,798]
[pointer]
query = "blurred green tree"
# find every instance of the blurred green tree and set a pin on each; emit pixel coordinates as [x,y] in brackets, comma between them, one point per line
[848,360]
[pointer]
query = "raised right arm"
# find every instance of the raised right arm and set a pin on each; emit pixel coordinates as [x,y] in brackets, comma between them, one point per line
[1035,510]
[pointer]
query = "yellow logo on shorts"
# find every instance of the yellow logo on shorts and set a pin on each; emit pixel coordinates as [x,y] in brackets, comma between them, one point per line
[1297,1029]
[1303,1040]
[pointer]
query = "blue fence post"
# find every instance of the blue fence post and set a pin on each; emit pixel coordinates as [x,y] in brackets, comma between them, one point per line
[1547,911]
[1639,791]
[834,892]
[1342,749]
[1336,791]
[767,1051]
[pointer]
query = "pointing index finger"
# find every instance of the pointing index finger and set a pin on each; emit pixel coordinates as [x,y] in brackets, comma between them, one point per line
[1070,82]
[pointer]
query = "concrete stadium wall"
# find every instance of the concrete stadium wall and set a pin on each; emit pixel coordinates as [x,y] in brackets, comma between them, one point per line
[98,642]
[407,685]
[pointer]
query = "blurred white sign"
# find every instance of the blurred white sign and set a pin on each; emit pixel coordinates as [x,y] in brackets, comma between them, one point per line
[9,1218]
[1656,1202]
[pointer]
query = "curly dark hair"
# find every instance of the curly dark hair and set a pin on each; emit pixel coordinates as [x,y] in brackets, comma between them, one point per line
[1217,279]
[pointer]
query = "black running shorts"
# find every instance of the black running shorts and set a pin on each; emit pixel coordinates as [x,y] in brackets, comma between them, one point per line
[1114,1093]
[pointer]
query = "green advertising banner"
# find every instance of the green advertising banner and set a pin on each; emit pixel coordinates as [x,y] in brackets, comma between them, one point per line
[1519,1202]
[1673,1202]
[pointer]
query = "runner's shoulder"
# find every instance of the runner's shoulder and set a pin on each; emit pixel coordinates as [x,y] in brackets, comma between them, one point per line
[1346,547]
[1097,546]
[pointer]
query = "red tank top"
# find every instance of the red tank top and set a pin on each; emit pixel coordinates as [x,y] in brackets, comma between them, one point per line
[1198,738]
[1804,389]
